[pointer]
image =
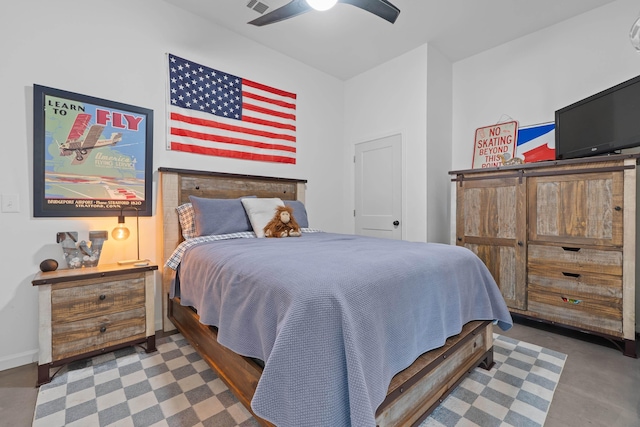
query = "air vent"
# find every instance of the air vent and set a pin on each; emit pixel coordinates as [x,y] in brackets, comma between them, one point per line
[261,7]
[258,6]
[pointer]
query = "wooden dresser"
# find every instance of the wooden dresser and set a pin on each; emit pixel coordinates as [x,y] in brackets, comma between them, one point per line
[88,311]
[559,237]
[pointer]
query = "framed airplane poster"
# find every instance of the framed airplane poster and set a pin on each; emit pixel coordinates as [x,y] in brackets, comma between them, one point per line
[91,157]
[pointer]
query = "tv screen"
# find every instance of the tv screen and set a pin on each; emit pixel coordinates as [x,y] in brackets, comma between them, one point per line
[602,123]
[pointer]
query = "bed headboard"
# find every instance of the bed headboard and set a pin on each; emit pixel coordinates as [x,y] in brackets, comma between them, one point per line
[176,185]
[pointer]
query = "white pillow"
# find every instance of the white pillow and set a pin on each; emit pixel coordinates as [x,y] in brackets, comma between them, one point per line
[260,212]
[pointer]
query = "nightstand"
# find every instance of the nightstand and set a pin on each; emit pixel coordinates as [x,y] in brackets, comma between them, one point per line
[89,311]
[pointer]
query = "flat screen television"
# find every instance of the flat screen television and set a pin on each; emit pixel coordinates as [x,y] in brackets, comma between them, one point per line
[603,123]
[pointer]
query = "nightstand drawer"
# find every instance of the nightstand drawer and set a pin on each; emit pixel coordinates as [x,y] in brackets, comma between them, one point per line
[84,299]
[82,336]
[575,259]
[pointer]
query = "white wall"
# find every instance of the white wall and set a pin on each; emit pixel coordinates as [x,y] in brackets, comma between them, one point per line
[116,50]
[439,118]
[397,104]
[531,77]
[409,95]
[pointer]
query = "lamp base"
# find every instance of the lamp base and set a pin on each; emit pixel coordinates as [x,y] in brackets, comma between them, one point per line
[136,262]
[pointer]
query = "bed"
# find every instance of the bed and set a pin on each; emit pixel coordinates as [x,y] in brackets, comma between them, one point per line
[331,347]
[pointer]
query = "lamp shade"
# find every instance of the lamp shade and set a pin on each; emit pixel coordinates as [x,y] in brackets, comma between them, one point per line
[321,4]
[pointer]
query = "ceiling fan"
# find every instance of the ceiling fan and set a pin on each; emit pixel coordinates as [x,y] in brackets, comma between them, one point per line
[381,8]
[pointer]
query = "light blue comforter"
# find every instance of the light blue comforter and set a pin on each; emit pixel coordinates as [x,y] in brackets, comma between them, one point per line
[334,317]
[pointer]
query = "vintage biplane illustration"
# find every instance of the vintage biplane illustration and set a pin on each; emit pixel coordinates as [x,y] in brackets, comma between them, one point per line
[79,144]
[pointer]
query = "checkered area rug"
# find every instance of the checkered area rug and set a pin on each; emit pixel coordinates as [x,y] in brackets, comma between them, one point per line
[171,387]
[517,391]
[175,387]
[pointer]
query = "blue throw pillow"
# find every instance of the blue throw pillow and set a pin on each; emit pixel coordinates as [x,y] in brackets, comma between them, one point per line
[219,216]
[299,212]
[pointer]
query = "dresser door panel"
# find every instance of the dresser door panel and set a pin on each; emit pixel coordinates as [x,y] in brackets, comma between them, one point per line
[580,209]
[491,223]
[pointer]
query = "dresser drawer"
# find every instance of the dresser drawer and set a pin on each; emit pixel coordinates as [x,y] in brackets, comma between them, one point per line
[575,259]
[82,336]
[79,300]
[583,300]
[545,279]
[588,311]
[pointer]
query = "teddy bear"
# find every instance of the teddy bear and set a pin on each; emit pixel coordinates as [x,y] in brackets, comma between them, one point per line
[283,224]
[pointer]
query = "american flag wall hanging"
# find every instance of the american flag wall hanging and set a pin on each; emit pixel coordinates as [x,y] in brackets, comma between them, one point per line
[218,114]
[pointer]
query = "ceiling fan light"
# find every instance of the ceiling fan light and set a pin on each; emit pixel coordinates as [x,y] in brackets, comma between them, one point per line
[321,4]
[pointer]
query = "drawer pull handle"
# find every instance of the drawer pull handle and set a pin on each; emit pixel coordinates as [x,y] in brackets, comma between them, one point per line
[576,275]
[103,329]
[571,300]
[618,208]
[566,248]
[102,297]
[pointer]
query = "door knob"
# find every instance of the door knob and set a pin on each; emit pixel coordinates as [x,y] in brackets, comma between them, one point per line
[396,223]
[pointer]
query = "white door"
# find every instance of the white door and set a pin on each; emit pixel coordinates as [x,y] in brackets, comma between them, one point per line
[378,186]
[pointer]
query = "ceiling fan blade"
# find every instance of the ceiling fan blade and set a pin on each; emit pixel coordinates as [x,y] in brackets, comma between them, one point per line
[289,10]
[382,8]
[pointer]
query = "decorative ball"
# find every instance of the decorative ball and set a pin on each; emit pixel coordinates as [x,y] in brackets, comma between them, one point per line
[49,265]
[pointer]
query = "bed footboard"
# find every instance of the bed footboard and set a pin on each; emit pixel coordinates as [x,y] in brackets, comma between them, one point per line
[413,393]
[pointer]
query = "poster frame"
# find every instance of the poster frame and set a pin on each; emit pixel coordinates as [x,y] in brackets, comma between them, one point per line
[131,120]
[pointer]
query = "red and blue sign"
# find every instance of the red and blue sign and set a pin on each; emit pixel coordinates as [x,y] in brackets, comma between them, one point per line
[536,142]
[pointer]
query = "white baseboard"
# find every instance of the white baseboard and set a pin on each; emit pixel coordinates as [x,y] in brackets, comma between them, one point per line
[20,359]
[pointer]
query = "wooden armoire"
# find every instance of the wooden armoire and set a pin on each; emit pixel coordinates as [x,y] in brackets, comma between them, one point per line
[559,238]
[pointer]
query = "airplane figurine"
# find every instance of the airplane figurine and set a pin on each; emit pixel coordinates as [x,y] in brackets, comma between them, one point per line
[79,146]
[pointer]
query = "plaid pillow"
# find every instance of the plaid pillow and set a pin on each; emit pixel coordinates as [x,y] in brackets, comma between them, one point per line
[186,216]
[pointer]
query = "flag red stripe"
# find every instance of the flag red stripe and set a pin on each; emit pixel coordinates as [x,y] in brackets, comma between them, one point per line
[258,121]
[239,129]
[263,110]
[277,102]
[229,153]
[269,89]
[229,140]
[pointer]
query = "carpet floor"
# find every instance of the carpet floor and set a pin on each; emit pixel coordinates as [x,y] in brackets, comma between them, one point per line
[175,387]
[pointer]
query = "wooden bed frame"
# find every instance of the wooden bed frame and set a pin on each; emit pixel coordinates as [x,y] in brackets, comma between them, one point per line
[413,393]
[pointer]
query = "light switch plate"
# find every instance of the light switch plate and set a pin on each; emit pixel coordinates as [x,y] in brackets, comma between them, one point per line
[10,203]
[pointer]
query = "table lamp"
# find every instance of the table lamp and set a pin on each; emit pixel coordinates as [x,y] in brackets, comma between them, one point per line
[121,232]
